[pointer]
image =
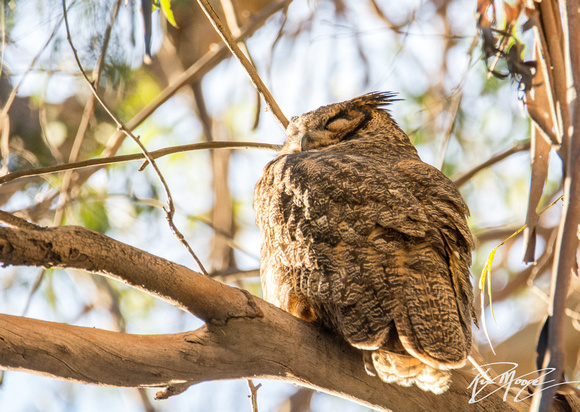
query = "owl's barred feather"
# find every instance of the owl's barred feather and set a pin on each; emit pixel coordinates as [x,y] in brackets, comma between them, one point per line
[362,236]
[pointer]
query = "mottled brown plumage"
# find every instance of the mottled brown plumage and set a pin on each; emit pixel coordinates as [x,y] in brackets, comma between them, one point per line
[362,236]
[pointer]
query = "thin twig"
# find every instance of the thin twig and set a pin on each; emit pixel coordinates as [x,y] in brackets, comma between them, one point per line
[506,36]
[518,147]
[545,261]
[254,394]
[193,74]
[85,119]
[477,365]
[526,276]
[170,208]
[397,28]
[237,52]
[155,154]
[452,110]
[235,275]
[33,290]
[234,25]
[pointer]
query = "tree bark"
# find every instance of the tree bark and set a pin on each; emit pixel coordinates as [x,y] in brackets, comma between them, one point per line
[244,336]
[79,248]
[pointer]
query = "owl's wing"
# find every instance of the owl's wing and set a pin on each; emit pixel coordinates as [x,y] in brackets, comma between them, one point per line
[349,235]
[446,211]
[446,208]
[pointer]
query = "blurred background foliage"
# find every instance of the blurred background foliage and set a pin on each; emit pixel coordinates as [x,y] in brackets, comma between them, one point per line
[310,53]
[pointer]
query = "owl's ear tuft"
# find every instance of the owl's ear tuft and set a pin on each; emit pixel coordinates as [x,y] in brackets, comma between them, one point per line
[378,99]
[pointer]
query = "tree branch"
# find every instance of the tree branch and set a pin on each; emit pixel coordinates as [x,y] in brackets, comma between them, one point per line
[242,338]
[79,248]
[567,241]
[566,249]
[243,348]
[136,156]
[193,74]
[67,184]
[227,37]
[169,209]
[464,177]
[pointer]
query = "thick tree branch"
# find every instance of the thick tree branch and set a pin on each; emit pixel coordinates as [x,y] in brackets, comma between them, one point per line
[565,264]
[80,248]
[567,241]
[242,338]
[242,348]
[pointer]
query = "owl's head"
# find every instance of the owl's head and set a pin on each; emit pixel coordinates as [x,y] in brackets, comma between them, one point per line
[328,125]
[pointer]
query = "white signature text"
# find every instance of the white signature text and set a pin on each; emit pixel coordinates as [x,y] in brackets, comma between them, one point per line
[508,380]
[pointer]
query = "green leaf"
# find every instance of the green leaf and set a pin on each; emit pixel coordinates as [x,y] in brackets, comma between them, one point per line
[486,276]
[166,9]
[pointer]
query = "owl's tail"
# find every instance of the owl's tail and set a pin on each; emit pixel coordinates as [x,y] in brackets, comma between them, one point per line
[406,370]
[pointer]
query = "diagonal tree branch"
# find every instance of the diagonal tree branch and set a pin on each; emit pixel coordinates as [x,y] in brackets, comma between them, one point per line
[227,37]
[169,209]
[88,112]
[193,74]
[464,177]
[80,248]
[242,338]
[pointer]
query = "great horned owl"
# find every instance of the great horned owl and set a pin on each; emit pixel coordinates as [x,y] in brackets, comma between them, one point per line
[362,236]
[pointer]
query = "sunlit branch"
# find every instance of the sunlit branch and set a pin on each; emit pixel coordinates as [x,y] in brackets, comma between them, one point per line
[75,247]
[14,221]
[193,74]
[237,52]
[233,24]
[465,177]
[254,394]
[155,154]
[88,113]
[567,242]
